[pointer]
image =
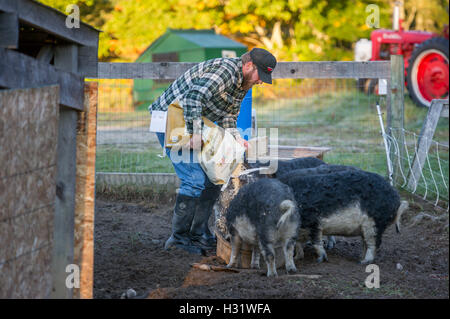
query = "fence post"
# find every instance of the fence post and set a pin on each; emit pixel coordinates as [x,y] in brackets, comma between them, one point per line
[85,192]
[396,115]
[65,59]
[436,110]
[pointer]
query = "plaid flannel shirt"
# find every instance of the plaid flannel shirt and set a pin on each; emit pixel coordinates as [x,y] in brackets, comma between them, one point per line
[211,89]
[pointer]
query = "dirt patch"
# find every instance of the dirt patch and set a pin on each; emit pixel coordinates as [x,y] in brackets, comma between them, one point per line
[129,236]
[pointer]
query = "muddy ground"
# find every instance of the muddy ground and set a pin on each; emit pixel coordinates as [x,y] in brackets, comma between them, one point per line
[130,234]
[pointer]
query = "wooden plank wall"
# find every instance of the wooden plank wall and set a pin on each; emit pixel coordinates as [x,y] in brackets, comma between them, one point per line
[27,190]
[85,192]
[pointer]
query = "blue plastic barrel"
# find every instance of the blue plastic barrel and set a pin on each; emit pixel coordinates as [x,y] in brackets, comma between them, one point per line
[244,120]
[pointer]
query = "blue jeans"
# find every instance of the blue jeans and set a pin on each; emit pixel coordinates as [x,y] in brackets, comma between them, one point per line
[193,178]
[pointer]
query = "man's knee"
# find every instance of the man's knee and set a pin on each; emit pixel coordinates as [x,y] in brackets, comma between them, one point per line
[194,184]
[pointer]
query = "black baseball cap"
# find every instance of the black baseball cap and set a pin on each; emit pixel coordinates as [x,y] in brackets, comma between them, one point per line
[265,63]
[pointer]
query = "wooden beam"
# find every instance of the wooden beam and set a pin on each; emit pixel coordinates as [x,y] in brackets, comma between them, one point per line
[9,30]
[326,70]
[283,70]
[157,70]
[45,54]
[21,71]
[437,110]
[50,20]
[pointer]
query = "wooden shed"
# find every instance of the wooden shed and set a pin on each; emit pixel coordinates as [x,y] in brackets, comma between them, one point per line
[182,46]
[47,151]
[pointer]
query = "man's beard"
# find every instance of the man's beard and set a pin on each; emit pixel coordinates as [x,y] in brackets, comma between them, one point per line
[246,83]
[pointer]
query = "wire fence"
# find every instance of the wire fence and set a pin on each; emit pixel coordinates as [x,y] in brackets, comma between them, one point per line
[321,112]
[432,183]
[339,114]
[333,113]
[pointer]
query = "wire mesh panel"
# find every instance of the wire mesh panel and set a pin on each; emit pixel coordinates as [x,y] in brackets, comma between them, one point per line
[334,113]
[125,144]
[433,181]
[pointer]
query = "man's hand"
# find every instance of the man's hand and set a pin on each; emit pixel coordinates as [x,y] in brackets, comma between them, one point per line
[243,142]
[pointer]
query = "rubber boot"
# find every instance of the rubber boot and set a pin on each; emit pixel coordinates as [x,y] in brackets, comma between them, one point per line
[183,215]
[200,233]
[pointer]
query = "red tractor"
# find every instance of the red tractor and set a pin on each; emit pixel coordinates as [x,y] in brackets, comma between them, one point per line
[425,56]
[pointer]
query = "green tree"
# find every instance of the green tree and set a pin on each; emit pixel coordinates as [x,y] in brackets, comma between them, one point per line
[426,15]
[294,30]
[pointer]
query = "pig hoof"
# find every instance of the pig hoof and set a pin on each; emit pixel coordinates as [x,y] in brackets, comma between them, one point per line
[231,266]
[274,274]
[322,258]
[291,270]
[365,262]
[254,266]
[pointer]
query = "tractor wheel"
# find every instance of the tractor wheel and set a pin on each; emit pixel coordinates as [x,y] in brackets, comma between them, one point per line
[427,74]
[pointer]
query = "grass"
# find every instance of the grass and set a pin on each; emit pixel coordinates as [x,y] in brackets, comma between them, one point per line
[349,113]
[112,158]
[123,119]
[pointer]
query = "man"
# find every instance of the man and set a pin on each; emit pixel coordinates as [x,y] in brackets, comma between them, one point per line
[213,89]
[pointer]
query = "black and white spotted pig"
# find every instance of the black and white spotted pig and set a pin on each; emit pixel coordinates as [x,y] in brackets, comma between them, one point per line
[321,169]
[345,203]
[330,241]
[264,214]
[285,166]
[306,165]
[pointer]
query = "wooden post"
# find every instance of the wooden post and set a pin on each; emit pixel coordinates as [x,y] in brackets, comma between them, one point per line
[396,115]
[65,201]
[388,106]
[45,54]
[63,250]
[437,109]
[85,192]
